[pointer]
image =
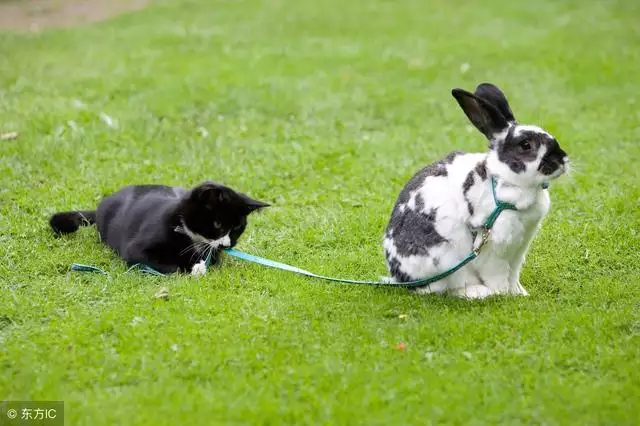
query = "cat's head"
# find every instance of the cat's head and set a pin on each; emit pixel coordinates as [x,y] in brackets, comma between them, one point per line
[216,214]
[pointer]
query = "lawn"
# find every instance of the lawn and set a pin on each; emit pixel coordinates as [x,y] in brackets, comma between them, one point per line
[325,109]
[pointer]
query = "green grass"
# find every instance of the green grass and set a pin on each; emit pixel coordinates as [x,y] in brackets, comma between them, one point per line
[324,108]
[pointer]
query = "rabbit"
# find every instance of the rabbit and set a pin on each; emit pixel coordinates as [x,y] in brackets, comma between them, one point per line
[436,218]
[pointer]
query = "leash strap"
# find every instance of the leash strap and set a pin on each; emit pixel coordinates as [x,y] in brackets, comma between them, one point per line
[140,267]
[482,239]
[500,207]
[283,266]
[478,244]
[145,269]
[79,267]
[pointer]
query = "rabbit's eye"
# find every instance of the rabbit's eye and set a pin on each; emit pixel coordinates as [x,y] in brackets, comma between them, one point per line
[217,225]
[525,145]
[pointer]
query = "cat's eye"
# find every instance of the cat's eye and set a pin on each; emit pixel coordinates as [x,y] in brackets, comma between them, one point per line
[217,225]
[525,145]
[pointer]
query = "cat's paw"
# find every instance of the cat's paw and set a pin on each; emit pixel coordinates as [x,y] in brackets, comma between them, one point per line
[199,269]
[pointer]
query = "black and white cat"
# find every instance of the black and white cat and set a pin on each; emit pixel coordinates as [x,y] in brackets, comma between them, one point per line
[167,228]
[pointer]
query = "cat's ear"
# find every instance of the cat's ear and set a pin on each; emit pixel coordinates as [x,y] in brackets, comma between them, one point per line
[212,195]
[253,205]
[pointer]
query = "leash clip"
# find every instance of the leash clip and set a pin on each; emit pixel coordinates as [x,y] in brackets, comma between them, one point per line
[484,238]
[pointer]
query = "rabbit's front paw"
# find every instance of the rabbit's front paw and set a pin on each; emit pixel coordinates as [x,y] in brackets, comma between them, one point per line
[474,292]
[518,290]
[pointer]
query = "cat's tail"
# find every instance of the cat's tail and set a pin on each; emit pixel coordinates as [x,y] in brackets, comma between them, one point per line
[68,222]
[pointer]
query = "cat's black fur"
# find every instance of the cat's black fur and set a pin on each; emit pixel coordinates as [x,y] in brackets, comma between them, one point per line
[156,225]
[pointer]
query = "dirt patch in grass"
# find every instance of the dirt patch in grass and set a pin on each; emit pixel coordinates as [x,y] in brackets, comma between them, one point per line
[34,15]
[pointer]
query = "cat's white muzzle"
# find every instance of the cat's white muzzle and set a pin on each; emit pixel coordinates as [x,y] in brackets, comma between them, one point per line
[221,242]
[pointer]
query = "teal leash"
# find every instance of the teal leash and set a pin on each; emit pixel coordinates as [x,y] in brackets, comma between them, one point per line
[145,269]
[283,266]
[140,267]
[79,267]
[500,207]
[486,232]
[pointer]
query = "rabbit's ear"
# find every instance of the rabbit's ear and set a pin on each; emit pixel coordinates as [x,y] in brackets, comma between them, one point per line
[495,97]
[486,117]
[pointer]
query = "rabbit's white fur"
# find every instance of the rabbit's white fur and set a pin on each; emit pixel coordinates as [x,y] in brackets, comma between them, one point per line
[497,268]
[456,196]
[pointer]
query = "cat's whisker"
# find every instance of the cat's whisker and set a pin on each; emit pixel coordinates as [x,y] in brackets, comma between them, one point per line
[210,252]
[185,250]
[190,247]
[200,247]
[197,248]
